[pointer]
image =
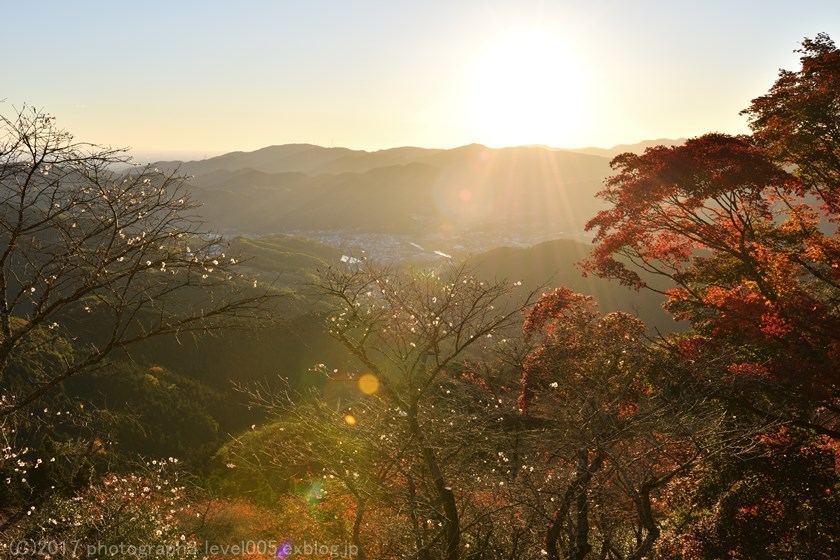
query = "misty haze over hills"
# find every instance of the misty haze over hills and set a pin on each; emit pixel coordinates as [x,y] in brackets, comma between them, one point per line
[634,148]
[516,212]
[472,196]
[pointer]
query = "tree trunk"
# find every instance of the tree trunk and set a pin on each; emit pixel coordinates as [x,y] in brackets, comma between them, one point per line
[579,545]
[648,523]
[451,526]
[357,528]
[422,552]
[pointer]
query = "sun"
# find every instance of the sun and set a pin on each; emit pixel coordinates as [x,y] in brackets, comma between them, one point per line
[527,88]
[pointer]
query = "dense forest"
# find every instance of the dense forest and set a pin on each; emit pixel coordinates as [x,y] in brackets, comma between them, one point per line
[670,391]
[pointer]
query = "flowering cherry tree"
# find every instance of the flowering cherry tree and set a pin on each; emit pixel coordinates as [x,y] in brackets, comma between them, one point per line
[79,238]
[95,256]
[410,330]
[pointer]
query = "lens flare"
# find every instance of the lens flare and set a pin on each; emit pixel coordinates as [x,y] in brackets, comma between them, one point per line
[313,493]
[368,384]
[284,550]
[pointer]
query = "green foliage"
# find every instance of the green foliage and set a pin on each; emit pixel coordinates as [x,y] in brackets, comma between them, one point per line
[286,259]
[239,468]
[157,411]
[34,358]
[579,437]
[551,264]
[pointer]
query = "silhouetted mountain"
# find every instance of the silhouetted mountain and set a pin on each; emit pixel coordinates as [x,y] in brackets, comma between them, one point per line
[638,148]
[305,158]
[404,190]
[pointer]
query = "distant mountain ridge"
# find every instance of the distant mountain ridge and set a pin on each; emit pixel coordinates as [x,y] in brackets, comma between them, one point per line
[311,158]
[303,158]
[637,148]
[303,187]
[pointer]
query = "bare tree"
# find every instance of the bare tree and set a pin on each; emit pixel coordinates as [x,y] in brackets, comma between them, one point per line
[620,422]
[100,257]
[409,330]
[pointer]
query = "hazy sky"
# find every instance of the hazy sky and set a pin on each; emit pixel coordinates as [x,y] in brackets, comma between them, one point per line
[207,76]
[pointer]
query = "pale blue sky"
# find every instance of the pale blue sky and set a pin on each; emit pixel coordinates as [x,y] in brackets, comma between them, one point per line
[207,77]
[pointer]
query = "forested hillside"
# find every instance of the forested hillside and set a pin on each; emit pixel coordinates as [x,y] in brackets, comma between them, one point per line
[657,377]
[405,190]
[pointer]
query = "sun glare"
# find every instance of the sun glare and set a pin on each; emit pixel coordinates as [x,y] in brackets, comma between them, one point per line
[527,89]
